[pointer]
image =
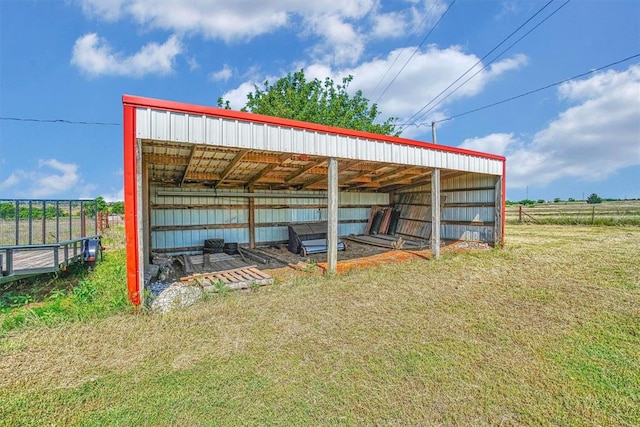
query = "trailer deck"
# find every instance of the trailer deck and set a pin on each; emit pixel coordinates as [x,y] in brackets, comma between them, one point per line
[43,236]
[21,261]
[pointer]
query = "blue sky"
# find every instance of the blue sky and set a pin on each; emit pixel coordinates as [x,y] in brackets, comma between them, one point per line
[73,59]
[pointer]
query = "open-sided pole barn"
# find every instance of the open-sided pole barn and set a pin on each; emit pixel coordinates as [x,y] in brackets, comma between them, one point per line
[196,172]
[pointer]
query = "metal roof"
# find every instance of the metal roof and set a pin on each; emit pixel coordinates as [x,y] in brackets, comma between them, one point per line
[187,145]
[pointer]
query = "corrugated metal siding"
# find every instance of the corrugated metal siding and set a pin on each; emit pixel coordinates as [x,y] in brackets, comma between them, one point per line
[468,205]
[181,127]
[192,211]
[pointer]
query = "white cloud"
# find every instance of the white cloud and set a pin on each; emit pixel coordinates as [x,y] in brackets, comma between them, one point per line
[47,183]
[116,196]
[238,97]
[14,179]
[193,63]
[93,55]
[342,44]
[425,76]
[501,67]
[222,75]
[589,141]
[388,25]
[339,29]
[51,178]
[495,143]
[109,10]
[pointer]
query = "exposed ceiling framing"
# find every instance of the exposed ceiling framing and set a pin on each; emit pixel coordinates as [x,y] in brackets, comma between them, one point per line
[177,164]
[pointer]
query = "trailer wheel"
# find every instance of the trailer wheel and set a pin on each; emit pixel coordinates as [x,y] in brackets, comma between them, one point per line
[303,252]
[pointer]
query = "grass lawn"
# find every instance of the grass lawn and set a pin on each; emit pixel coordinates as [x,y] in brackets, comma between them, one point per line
[544,332]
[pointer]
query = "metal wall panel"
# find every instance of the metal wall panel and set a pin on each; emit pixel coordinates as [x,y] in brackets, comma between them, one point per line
[465,232]
[191,210]
[173,126]
[476,191]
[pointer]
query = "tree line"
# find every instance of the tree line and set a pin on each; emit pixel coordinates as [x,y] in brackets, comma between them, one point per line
[8,209]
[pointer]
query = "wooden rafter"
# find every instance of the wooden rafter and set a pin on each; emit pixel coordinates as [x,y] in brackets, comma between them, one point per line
[189,165]
[404,175]
[306,169]
[163,159]
[262,158]
[314,181]
[415,182]
[268,168]
[232,164]
[356,177]
[202,176]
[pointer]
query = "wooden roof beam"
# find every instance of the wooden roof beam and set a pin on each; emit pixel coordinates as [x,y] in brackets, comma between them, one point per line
[189,165]
[202,176]
[232,164]
[423,179]
[283,158]
[305,169]
[163,159]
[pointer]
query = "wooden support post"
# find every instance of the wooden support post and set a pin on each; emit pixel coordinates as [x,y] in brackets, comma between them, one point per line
[520,214]
[252,220]
[332,211]
[435,213]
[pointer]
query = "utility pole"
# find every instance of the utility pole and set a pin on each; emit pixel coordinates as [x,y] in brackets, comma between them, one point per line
[433,132]
[435,203]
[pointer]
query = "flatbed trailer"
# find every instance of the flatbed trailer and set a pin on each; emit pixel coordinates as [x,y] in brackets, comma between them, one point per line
[22,261]
[46,236]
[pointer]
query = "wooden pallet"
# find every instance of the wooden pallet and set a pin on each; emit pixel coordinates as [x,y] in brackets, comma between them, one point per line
[238,278]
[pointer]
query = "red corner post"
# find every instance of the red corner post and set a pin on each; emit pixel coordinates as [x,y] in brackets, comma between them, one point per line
[131,204]
[504,198]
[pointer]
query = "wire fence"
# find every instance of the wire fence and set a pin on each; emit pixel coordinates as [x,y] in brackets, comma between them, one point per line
[626,212]
[31,222]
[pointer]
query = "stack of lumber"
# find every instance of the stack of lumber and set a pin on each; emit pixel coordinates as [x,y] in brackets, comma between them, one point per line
[209,262]
[391,242]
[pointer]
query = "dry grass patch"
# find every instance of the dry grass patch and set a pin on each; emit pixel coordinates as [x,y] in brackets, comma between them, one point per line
[545,331]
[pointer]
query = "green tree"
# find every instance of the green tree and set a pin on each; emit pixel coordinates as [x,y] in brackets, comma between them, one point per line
[593,199]
[7,210]
[116,208]
[316,101]
[90,208]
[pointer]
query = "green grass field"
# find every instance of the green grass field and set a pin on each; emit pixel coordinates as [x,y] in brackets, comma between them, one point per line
[543,332]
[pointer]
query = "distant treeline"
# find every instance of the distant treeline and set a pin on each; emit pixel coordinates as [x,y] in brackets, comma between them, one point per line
[592,199]
[8,209]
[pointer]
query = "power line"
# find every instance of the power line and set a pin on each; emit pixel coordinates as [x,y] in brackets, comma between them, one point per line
[539,89]
[492,61]
[414,52]
[63,121]
[416,115]
[409,40]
